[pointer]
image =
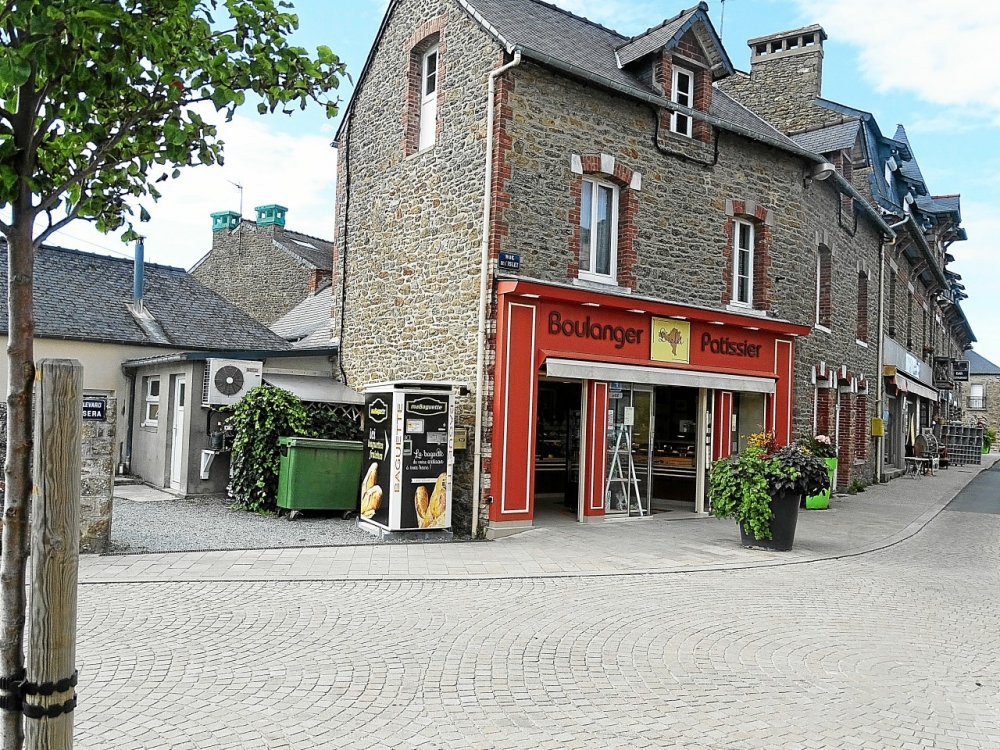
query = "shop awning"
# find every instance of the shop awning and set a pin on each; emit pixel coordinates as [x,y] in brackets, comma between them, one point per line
[614,373]
[315,388]
[908,385]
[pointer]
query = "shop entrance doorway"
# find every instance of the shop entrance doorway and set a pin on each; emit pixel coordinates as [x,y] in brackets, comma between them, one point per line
[557,446]
[663,421]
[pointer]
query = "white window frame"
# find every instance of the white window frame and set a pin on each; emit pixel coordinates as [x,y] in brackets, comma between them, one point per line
[682,127]
[150,400]
[591,275]
[428,101]
[736,301]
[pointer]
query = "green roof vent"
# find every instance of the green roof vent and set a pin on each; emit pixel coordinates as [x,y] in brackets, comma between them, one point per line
[271,215]
[225,221]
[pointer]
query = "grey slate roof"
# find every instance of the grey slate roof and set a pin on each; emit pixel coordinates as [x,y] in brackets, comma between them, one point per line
[833,138]
[86,297]
[910,169]
[979,365]
[314,251]
[560,34]
[307,325]
[726,108]
[940,204]
[670,32]
[655,38]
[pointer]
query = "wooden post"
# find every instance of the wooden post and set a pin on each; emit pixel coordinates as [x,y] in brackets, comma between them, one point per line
[55,551]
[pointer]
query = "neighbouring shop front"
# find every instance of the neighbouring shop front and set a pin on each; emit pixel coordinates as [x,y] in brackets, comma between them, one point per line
[912,402]
[607,405]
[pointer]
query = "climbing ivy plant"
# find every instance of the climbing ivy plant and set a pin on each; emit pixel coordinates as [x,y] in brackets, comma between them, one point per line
[261,417]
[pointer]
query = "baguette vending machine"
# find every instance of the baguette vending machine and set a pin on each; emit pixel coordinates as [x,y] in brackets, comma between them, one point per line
[407,457]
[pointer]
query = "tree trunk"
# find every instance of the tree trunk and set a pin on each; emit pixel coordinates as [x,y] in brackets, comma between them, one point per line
[55,544]
[21,376]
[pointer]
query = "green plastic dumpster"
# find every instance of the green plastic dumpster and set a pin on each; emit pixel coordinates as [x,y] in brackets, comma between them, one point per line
[318,474]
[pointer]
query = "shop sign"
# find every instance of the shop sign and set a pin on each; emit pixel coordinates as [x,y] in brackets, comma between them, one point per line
[586,328]
[509,262]
[943,376]
[671,341]
[95,409]
[730,347]
[960,370]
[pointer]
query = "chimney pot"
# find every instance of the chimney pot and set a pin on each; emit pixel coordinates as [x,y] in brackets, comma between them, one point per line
[223,221]
[271,215]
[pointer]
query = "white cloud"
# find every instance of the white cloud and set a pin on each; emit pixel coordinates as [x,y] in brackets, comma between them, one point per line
[296,171]
[945,53]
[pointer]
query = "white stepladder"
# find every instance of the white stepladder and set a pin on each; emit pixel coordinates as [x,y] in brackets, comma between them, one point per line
[621,481]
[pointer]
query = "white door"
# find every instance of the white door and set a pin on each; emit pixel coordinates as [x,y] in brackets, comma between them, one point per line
[177,434]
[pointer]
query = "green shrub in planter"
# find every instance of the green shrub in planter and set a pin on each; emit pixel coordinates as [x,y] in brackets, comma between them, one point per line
[741,486]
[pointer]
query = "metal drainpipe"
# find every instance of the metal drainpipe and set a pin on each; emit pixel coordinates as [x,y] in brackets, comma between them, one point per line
[880,364]
[484,272]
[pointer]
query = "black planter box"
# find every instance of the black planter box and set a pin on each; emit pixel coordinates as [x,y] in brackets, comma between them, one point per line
[785,508]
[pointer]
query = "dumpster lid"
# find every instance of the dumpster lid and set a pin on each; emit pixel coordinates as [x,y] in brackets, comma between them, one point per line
[304,442]
[315,388]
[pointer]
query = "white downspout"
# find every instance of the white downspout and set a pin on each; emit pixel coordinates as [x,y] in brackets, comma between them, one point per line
[484,273]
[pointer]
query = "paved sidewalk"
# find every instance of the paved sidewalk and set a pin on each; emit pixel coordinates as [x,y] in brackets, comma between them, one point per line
[882,516]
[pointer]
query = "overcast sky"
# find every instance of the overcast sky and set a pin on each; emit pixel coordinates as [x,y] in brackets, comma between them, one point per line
[930,65]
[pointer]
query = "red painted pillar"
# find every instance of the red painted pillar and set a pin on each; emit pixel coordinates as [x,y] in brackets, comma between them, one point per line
[595,449]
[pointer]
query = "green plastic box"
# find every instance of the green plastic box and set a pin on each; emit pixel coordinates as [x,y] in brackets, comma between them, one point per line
[319,474]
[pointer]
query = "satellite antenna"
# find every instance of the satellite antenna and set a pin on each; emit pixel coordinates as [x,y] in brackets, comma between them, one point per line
[722,21]
[239,231]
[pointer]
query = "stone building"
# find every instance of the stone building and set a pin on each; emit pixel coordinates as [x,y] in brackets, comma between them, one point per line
[262,267]
[982,397]
[921,323]
[632,270]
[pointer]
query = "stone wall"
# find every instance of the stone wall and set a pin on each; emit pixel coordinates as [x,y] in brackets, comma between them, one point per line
[97,476]
[991,390]
[415,222]
[249,269]
[98,480]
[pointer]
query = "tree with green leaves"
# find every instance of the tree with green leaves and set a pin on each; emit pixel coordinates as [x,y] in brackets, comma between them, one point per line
[99,101]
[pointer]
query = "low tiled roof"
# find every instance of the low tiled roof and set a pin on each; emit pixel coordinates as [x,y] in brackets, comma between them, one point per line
[833,138]
[655,38]
[86,297]
[307,325]
[979,365]
[314,251]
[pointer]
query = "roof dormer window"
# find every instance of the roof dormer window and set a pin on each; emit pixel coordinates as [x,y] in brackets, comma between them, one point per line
[682,93]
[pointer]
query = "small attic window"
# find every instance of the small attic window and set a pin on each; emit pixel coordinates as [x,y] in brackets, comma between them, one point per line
[305,244]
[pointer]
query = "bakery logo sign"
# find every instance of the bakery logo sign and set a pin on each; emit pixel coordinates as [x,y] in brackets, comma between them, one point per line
[378,412]
[426,407]
[671,341]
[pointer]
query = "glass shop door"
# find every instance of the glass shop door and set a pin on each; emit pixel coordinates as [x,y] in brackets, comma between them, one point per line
[629,430]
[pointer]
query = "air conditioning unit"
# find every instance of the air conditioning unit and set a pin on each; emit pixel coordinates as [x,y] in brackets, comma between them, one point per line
[228,380]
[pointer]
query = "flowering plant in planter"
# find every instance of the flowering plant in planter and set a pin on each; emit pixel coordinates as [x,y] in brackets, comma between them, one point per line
[820,446]
[742,486]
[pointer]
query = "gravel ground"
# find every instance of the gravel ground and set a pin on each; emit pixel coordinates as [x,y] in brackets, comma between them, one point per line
[148,520]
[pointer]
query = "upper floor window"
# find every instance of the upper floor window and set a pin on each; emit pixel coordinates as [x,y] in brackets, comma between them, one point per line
[599,231]
[151,408]
[428,98]
[682,93]
[743,242]
[824,287]
[862,333]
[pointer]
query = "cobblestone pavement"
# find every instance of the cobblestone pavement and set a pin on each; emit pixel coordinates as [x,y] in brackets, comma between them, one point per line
[898,648]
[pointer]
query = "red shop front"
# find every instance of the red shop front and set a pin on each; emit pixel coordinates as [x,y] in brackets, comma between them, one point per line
[608,405]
